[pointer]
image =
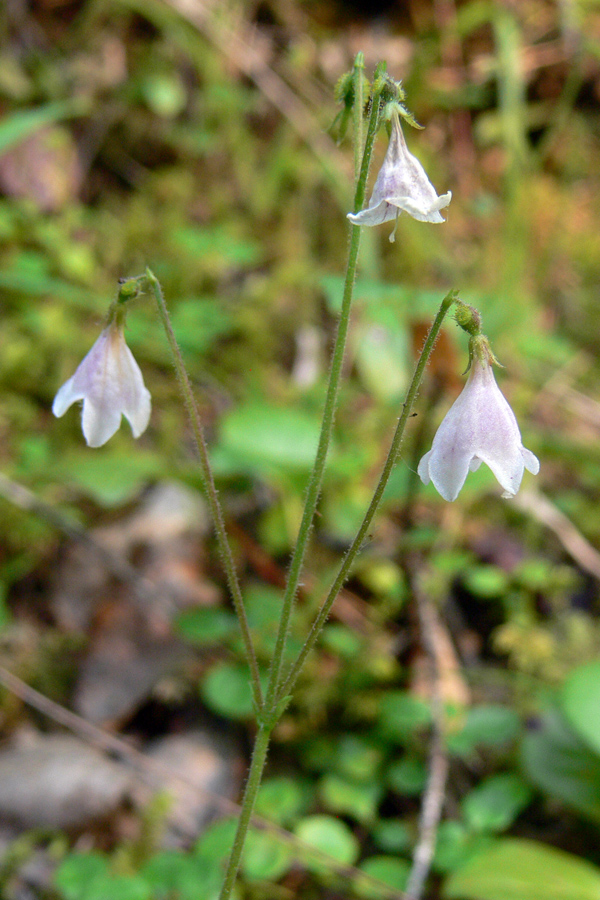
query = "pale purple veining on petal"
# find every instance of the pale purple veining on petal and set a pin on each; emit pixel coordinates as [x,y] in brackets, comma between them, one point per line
[110,383]
[401,185]
[479,427]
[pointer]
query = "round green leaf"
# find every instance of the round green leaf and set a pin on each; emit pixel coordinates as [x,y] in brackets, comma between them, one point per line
[558,762]
[407,776]
[455,845]
[357,758]
[496,802]
[206,625]
[402,716]
[188,877]
[581,702]
[331,836]
[357,799]
[392,835]
[486,726]
[389,870]
[256,438]
[486,581]
[516,869]
[226,690]
[266,857]
[77,872]
[119,887]
[280,799]
[217,841]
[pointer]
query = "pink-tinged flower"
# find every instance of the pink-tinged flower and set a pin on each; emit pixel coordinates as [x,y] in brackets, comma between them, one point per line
[479,427]
[401,186]
[110,384]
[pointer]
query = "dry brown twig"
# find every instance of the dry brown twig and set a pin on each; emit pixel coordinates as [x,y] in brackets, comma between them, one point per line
[433,798]
[539,507]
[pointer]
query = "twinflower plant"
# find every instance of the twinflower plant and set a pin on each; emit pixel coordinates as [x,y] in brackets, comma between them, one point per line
[110,384]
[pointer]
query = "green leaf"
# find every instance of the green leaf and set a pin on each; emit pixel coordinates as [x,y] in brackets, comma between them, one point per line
[258,438]
[198,322]
[496,802]
[266,857]
[455,845]
[356,799]
[486,582]
[206,625]
[226,690]
[217,841]
[332,837]
[558,762]
[110,477]
[392,835]
[342,640]
[188,877]
[119,887]
[391,871]
[486,726]
[77,872]
[280,799]
[516,869]
[401,716]
[580,699]
[357,757]
[17,126]
[380,359]
[407,776]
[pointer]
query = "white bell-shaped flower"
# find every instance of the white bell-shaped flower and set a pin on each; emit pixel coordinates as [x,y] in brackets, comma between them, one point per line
[479,427]
[401,186]
[110,384]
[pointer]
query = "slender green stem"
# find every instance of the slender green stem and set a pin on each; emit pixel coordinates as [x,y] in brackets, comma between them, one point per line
[359,68]
[257,765]
[354,549]
[316,478]
[210,488]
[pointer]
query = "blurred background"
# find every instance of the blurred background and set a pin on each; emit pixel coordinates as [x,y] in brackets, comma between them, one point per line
[192,136]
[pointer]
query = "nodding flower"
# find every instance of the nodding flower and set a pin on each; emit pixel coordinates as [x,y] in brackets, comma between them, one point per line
[401,186]
[110,383]
[479,427]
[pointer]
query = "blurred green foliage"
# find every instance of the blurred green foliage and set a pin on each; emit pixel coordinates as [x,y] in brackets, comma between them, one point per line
[133,134]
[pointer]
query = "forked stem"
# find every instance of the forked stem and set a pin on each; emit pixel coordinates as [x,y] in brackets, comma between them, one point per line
[354,549]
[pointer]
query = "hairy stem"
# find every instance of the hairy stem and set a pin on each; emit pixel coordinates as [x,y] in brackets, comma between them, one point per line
[210,488]
[259,756]
[316,477]
[354,549]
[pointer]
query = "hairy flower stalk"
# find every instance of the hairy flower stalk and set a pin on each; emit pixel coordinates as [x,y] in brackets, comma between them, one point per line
[479,427]
[110,383]
[401,186]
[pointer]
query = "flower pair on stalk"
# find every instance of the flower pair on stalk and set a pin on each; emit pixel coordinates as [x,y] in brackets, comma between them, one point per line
[479,427]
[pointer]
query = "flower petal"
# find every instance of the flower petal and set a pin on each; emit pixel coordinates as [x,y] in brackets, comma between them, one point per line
[532,463]
[66,396]
[423,468]
[448,469]
[135,397]
[99,422]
